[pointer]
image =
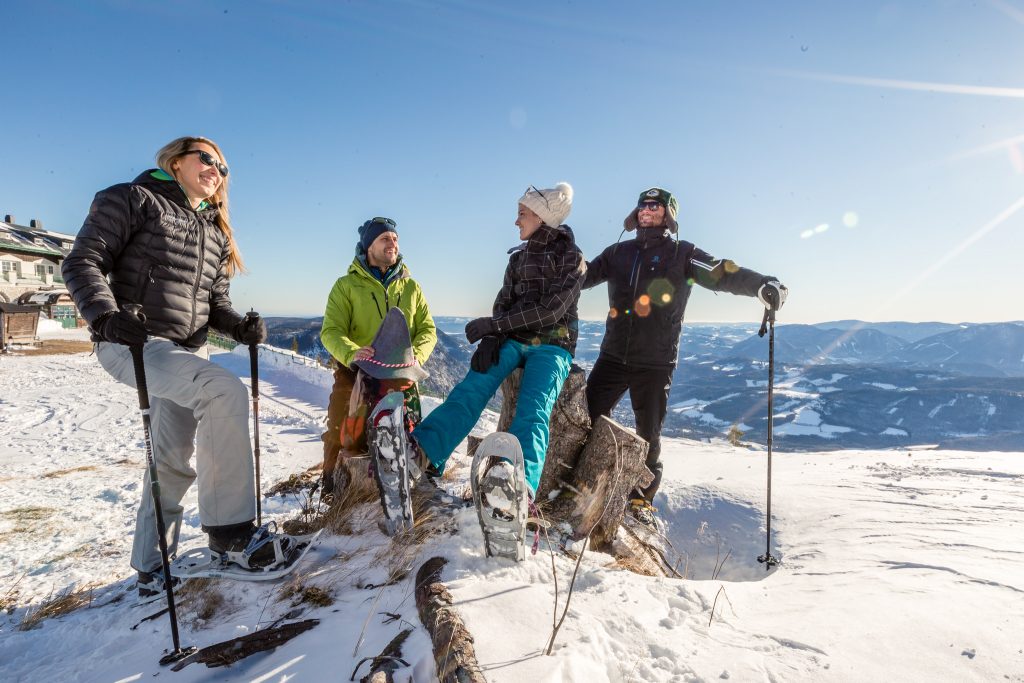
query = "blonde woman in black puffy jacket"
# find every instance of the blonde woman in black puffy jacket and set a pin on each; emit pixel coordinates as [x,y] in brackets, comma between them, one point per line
[164,242]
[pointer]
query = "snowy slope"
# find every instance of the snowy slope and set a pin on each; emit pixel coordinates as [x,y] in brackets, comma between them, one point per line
[897,565]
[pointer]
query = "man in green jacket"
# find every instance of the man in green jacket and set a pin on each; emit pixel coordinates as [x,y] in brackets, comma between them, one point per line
[376,281]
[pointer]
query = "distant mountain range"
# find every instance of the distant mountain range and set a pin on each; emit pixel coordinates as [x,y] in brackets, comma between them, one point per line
[843,384]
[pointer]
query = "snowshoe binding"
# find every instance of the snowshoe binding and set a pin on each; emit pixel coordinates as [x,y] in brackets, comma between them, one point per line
[498,480]
[389,450]
[263,555]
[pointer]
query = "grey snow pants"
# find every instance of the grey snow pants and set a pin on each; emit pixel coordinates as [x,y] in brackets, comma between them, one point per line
[195,406]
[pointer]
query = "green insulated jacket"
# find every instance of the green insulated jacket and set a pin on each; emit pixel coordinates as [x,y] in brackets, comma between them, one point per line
[357,306]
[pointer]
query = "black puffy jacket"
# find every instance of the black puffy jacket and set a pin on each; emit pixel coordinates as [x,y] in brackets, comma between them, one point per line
[649,280]
[142,243]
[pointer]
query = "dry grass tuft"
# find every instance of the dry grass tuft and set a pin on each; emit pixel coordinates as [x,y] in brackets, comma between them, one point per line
[72,470]
[296,483]
[68,600]
[354,489]
[200,601]
[54,347]
[28,520]
[9,600]
[300,593]
[28,514]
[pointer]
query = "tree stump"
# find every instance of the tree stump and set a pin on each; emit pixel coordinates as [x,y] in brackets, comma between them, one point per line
[588,473]
[611,465]
[454,654]
[569,427]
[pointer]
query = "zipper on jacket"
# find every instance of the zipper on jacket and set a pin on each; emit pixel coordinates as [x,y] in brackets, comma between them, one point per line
[629,328]
[199,273]
[145,284]
[377,304]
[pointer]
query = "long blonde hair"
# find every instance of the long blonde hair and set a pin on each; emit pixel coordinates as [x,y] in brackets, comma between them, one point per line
[174,150]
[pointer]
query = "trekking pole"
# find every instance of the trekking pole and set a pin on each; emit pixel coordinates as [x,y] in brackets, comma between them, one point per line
[154,486]
[254,375]
[768,323]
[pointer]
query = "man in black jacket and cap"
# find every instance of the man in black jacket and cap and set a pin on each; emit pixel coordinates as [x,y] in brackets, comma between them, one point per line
[649,281]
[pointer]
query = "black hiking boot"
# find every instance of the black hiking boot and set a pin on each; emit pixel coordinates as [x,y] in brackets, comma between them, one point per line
[151,585]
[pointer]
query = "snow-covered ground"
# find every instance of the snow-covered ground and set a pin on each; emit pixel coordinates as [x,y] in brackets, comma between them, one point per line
[897,565]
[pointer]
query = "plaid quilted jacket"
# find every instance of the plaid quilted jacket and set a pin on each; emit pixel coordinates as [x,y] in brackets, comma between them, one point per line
[537,301]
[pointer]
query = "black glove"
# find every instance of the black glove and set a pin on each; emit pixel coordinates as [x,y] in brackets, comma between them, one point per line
[122,328]
[486,354]
[479,328]
[772,293]
[250,330]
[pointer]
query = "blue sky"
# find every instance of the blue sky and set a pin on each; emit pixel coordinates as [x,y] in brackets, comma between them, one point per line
[898,125]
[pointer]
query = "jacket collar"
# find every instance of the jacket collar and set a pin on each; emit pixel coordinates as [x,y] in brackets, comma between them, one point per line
[160,182]
[545,235]
[361,266]
[645,237]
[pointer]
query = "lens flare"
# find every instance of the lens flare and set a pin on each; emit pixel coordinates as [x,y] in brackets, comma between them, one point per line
[851,219]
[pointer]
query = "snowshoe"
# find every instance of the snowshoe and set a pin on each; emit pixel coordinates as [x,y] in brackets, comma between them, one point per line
[151,586]
[266,556]
[643,512]
[498,481]
[389,450]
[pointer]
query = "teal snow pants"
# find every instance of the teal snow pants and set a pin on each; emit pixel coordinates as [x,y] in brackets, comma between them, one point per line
[545,369]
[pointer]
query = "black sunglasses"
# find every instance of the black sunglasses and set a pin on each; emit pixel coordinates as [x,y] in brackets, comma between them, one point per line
[531,188]
[385,221]
[209,160]
[650,206]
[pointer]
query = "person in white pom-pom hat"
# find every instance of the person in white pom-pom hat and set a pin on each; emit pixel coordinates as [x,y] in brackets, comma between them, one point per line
[533,325]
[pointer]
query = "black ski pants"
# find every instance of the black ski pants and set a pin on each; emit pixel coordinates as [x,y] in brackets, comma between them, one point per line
[648,392]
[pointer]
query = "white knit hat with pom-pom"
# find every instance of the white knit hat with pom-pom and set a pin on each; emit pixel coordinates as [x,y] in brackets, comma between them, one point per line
[552,205]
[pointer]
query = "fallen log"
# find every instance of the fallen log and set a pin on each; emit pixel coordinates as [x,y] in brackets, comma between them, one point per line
[384,665]
[231,651]
[454,654]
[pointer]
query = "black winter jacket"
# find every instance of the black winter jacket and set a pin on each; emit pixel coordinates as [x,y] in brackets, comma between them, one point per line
[649,280]
[142,243]
[538,300]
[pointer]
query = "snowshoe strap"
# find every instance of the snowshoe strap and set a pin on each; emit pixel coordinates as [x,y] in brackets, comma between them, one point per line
[259,539]
[538,522]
